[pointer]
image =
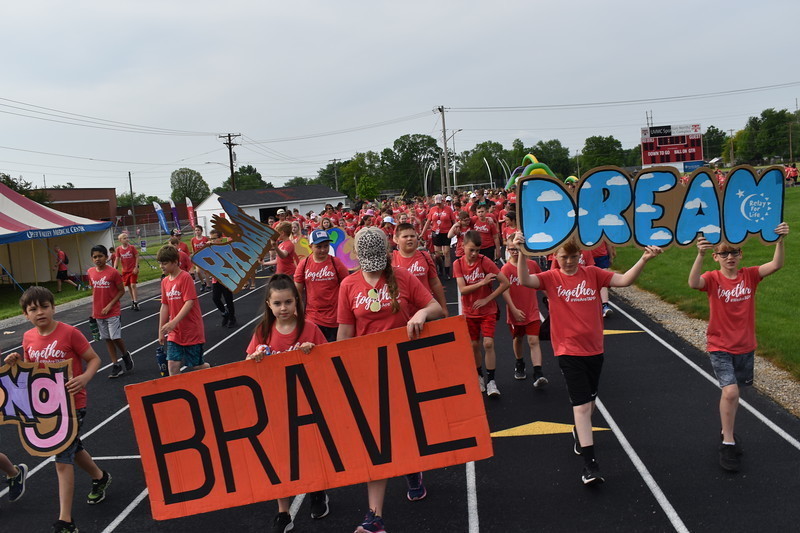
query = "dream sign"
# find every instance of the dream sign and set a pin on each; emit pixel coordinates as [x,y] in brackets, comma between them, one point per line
[34,397]
[656,208]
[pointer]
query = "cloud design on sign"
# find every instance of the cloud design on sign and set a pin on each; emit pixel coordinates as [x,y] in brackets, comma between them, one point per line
[646,208]
[549,196]
[695,204]
[581,212]
[617,180]
[586,185]
[710,228]
[660,236]
[542,237]
[665,187]
[707,184]
[610,220]
[647,176]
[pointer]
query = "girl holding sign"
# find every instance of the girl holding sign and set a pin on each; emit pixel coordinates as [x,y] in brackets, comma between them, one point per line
[374,299]
[284,328]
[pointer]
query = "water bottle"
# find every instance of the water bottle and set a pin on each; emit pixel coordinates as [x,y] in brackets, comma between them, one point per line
[161,359]
[94,328]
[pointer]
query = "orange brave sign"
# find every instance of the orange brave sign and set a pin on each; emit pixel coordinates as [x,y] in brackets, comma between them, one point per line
[364,409]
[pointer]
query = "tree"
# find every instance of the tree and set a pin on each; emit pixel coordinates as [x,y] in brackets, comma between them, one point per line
[299,181]
[367,188]
[714,141]
[351,172]
[124,199]
[554,155]
[633,156]
[25,188]
[188,183]
[599,151]
[247,178]
[403,167]
[68,185]
[474,163]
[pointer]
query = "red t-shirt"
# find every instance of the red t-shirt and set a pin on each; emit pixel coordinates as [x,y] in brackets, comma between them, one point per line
[286,265]
[199,244]
[524,298]
[61,256]
[354,302]
[508,231]
[184,261]
[420,265]
[183,247]
[174,293]
[64,343]
[600,251]
[487,228]
[105,286]
[128,257]
[278,342]
[576,319]
[473,274]
[460,231]
[441,218]
[322,282]
[732,310]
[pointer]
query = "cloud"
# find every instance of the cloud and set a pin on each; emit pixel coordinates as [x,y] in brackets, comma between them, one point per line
[589,243]
[540,238]
[707,184]
[617,180]
[711,228]
[695,204]
[611,220]
[660,236]
[664,188]
[647,176]
[586,185]
[549,196]
[581,212]
[646,208]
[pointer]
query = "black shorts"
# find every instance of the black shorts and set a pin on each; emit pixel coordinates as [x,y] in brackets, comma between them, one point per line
[63,275]
[441,239]
[582,374]
[489,252]
[329,333]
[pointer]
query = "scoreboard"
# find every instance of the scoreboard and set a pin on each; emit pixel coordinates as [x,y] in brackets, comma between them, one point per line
[671,144]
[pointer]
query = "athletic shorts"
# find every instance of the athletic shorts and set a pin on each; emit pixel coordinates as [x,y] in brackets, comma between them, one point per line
[110,328]
[582,374]
[602,261]
[190,355]
[63,275]
[732,369]
[488,252]
[329,333]
[531,329]
[129,278]
[67,457]
[441,239]
[481,326]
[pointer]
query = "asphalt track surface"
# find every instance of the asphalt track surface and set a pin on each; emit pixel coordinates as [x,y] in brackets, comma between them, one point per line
[659,457]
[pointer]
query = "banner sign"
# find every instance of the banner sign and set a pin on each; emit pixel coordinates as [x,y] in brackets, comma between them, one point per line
[656,208]
[34,397]
[232,263]
[352,411]
[162,220]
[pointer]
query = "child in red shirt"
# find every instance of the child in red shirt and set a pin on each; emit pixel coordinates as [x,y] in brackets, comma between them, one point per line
[180,322]
[285,257]
[198,242]
[731,327]
[127,256]
[522,315]
[107,290]
[474,274]
[417,262]
[51,341]
[487,227]
[576,332]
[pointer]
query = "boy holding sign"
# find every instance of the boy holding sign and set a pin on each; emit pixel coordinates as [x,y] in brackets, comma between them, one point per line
[51,341]
[732,327]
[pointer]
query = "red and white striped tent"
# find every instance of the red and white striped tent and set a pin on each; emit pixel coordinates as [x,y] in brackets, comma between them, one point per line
[29,231]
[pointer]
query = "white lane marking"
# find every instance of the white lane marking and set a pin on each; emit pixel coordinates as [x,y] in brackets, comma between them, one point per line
[769,423]
[472,499]
[298,501]
[662,500]
[125,512]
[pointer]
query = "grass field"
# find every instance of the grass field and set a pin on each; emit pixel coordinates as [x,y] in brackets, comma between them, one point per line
[778,300]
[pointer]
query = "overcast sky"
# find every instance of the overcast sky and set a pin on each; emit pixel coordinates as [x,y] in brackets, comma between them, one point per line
[274,71]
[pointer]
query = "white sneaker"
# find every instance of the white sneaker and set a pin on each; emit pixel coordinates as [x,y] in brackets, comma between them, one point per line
[481,384]
[491,389]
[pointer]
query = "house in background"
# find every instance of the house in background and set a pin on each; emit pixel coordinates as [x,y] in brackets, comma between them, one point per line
[264,203]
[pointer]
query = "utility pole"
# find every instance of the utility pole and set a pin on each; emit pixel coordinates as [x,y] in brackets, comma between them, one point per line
[230,144]
[133,204]
[335,173]
[731,145]
[446,160]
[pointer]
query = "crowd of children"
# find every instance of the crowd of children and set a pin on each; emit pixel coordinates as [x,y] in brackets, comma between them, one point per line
[404,251]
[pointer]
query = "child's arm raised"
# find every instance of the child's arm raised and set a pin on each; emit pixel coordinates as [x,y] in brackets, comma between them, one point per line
[696,280]
[525,278]
[627,279]
[78,383]
[777,259]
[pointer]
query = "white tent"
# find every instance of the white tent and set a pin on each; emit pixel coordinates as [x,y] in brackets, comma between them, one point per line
[29,231]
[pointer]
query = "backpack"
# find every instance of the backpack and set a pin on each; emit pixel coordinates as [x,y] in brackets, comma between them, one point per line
[66,259]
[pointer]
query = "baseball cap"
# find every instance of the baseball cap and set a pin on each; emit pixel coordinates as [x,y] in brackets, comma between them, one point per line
[319,236]
[473,195]
[449,198]
[437,199]
[370,212]
[281,211]
[388,219]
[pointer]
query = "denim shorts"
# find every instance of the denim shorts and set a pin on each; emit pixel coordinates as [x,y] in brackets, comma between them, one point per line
[191,355]
[731,369]
[67,457]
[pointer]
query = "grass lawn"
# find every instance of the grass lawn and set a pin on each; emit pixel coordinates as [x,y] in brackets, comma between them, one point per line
[778,297]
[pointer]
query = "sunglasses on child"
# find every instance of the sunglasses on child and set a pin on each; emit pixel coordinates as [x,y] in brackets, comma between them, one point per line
[732,253]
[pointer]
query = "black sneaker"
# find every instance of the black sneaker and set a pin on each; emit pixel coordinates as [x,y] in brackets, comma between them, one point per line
[16,485]
[319,505]
[64,527]
[591,474]
[728,458]
[577,446]
[134,306]
[737,443]
[519,370]
[116,371]
[225,319]
[232,322]
[282,523]
[127,359]
[539,380]
[416,488]
[99,487]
